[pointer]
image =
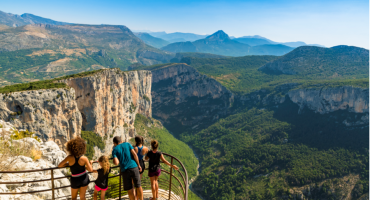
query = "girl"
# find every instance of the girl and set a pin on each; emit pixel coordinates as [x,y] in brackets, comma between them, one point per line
[101,183]
[140,150]
[78,164]
[154,156]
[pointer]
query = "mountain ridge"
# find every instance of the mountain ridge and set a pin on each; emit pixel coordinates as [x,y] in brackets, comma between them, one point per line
[220,43]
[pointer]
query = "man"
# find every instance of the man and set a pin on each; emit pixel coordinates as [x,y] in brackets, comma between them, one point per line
[125,155]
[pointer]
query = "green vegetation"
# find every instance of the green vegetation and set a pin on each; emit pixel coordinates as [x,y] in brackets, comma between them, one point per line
[48,84]
[241,75]
[319,63]
[92,140]
[168,144]
[21,66]
[280,144]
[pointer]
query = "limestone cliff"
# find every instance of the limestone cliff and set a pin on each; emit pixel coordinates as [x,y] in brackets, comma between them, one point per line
[325,100]
[52,113]
[110,99]
[105,102]
[182,96]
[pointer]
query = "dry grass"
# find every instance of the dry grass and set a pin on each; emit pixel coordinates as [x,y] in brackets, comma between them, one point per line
[11,147]
[36,154]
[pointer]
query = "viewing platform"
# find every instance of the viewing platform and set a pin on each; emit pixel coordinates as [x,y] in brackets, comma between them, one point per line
[173,184]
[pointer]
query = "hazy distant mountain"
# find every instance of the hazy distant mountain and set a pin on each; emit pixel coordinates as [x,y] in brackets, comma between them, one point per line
[152,41]
[259,40]
[332,62]
[253,41]
[178,36]
[270,49]
[220,43]
[24,19]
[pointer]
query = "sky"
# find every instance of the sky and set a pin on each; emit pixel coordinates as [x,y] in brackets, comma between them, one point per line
[325,22]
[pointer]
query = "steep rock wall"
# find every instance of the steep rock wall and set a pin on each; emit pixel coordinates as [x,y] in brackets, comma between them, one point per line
[109,101]
[325,100]
[105,102]
[182,96]
[52,113]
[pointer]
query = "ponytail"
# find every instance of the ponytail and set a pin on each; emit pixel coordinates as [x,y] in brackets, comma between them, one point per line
[105,163]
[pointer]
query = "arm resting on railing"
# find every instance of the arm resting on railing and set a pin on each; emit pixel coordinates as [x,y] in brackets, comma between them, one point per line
[167,163]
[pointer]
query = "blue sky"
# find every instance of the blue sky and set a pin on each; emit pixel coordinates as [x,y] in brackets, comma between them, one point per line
[328,23]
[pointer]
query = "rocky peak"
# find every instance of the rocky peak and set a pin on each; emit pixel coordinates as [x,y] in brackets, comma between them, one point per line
[219,35]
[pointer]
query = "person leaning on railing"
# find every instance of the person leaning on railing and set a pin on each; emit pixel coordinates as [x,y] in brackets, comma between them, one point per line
[78,164]
[125,155]
[154,156]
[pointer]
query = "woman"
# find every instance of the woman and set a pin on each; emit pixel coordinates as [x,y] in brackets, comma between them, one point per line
[78,164]
[154,156]
[140,150]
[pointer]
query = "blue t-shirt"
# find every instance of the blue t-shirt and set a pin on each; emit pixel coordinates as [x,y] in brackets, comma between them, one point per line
[123,153]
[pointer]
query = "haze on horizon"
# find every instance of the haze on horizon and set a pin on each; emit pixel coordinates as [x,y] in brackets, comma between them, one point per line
[329,23]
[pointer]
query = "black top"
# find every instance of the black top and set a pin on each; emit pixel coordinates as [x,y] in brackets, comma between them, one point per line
[77,168]
[154,159]
[102,180]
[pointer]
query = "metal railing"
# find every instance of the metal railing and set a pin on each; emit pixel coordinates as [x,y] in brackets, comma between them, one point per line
[173,183]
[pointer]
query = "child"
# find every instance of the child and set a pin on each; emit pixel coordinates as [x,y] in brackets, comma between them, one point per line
[154,157]
[101,183]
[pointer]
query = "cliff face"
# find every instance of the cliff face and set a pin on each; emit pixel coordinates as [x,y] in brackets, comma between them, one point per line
[325,100]
[109,101]
[322,100]
[52,114]
[105,102]
[183,96]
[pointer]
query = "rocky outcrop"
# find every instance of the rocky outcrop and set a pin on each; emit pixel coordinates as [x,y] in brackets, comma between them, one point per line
[336,188]
[51,113]
[180,93]
[326,100]
[50,156]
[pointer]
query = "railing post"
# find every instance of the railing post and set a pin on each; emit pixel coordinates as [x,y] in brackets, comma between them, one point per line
[52,184]
[119,182]
[169,194]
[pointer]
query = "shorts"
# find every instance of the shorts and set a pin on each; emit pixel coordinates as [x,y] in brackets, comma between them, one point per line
[142,165]
[129,176]
[78,182]
[157,173]
[97,188]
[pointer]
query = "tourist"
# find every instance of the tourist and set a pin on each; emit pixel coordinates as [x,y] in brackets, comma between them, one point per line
[154,156]
[125,155]
[101,183]
[140,150]
[78,164]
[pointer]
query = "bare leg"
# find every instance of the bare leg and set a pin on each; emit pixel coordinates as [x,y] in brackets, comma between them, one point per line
[131,194]
[74,193]
[134,189]
[102,195]
[152,184]
[156,186]
[139,193]
[95,195]
[83,193]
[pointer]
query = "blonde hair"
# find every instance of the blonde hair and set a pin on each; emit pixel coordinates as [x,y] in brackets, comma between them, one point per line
[105,163]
